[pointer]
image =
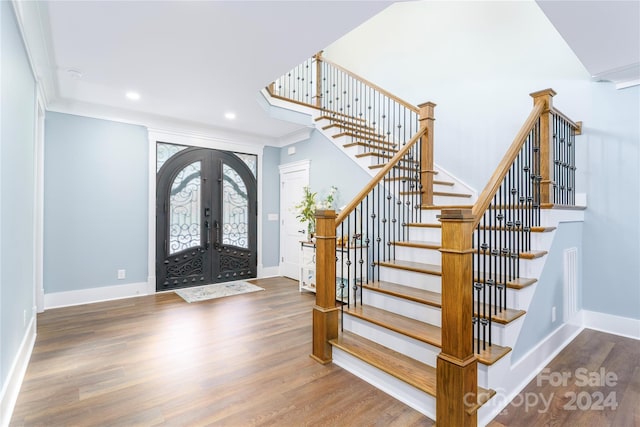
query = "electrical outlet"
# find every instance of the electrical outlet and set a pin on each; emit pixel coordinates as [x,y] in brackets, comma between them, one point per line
[122,274]
[553,314]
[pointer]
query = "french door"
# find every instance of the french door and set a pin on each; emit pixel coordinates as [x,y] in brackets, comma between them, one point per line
[206,219]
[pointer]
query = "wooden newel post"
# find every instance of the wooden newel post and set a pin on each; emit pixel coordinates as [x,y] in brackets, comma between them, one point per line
[427,118]
[318,58]
[546,144]
[457,375]
[325,312]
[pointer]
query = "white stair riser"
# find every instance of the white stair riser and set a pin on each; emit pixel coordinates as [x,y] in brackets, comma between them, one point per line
[429,256]
[425,234]
[422,312]
[407,394]
[491,376]
[451,200]
[428,282]
[430,216]
[529,268]
[518,299]
[410,347]
[504,335]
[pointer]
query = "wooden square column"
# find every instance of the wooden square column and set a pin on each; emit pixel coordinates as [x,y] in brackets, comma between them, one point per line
[456,369]
[546,145]
[427,169]
[325,311]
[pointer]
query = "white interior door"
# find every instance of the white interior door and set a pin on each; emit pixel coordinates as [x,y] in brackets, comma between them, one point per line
[293,178]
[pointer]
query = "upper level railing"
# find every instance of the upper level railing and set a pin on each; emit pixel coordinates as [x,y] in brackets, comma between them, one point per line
[351,101]
[482,246]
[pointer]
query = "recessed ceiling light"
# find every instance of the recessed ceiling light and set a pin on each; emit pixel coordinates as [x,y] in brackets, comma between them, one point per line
[229,115]
[134,96]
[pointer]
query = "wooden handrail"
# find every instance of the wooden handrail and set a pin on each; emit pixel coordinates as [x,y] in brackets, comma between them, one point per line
[379,176]
[373,85]
[576,126]
[485,198]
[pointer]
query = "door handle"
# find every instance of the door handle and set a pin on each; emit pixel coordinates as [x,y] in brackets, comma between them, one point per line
[216,243]
[301,231]
[208,227]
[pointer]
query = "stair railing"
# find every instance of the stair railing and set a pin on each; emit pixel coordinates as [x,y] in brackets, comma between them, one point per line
[349,246]
[481,247]
[379,122]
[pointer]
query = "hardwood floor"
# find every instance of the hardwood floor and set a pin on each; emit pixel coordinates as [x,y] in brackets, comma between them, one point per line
[156,360]
[594,381]
[243,361]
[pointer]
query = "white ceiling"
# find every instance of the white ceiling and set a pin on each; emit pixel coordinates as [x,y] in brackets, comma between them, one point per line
[193,61]
[190,61]
[604,35]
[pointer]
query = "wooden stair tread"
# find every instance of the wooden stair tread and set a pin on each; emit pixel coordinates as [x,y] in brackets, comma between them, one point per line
[418,267]
[449,194]
[404,168]
[417,330]
[424,225]
[387,147]
[363,137]
[421,296]
[411,371]
[404,368]
[567,207]
[418,244]
[434,299]
[517,283]
[441,207]
[375,154]
[503,317]
[363,131]
[519,229]
[351,121]
[330,113]
[523,255]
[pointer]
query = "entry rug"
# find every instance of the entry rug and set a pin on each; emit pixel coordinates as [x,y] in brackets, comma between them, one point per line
[217,290]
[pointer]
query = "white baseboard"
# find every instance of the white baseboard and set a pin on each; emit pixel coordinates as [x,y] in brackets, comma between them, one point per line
[104,293]
[11,387]
[611,324]
[264,272]
[526,369]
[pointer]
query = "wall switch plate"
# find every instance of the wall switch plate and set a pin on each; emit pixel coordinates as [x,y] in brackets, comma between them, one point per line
[122,274]
[553,314]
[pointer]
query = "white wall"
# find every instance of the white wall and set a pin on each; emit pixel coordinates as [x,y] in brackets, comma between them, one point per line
[479,61]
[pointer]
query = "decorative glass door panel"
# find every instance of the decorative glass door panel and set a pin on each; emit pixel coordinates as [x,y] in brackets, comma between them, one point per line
[185,208]
[235,209]
[206,219]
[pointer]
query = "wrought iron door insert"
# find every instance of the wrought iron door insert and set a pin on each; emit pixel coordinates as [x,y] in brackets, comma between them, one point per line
[206,219]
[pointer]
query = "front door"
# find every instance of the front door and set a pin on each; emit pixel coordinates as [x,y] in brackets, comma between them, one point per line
[206,219]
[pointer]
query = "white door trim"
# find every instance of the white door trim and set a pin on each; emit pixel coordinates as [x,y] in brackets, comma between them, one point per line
[299,166]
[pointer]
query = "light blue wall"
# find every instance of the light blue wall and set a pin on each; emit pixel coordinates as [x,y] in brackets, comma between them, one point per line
[549,289]
[612,172]
[96,202]
[329,166]
[17,137]
[270,205]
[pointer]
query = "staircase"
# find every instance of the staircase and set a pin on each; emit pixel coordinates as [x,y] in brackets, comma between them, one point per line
[392,330]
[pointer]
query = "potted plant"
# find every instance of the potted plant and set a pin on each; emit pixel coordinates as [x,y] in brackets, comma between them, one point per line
[306,209]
